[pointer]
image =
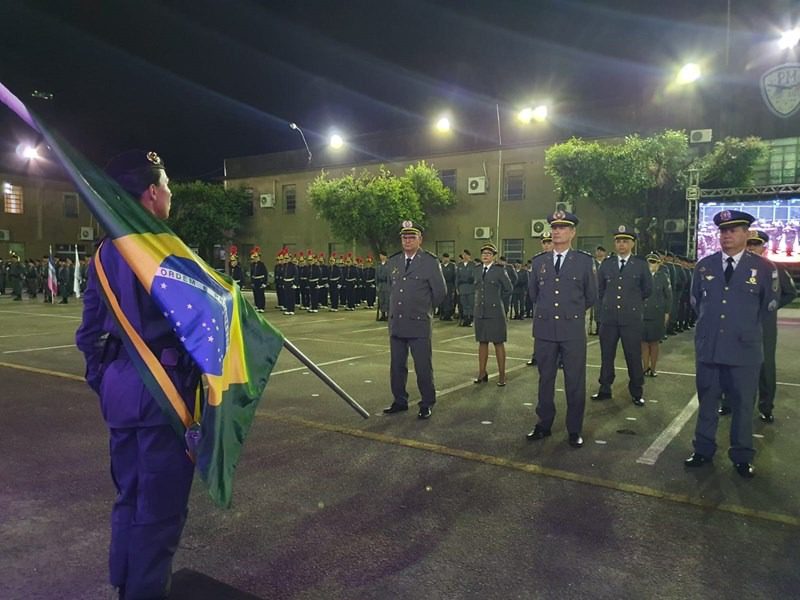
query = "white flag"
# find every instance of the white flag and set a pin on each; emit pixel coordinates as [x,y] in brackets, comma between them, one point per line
[76,279]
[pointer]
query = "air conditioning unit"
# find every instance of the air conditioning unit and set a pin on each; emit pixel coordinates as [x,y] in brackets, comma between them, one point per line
[266,201]
[476,185]
[483,233]
[5,235]
[87,234]
[564,206]
[674,225]
[539,227]
[699,136]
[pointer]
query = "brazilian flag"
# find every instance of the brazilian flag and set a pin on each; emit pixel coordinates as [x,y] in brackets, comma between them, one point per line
[232,345]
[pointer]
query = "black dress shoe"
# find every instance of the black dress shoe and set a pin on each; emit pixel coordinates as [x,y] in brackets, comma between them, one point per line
[745,470]
[766,416]
[696,460]
[395,408]
[531,362]
[638,401]
[424,412]
[538,433]
[601,396]
[724,410]
[483,379]
[575,440]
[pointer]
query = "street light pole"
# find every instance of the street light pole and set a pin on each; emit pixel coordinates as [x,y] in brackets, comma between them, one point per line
[296,127]
[499,174]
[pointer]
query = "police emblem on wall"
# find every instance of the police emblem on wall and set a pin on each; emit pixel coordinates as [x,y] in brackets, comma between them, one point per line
[780,88]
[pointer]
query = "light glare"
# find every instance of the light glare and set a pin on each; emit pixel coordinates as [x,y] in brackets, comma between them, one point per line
[336,141]
[789,39]
[539,113]
[443,124]
[689,73]
[30,153]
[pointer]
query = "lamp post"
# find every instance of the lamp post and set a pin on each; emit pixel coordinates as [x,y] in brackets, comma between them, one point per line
[296,127]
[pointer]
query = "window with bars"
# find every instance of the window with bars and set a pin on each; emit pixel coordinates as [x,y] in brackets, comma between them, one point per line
[290,198]
[514,182]
[781,165]
[70,205]
[513,250]
[448,246]
[12,198]
[448,177]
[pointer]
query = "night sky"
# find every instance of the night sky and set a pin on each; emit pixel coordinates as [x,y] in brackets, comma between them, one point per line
[199,81]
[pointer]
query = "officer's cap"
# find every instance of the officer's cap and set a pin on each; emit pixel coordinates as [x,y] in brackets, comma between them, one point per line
[562,218]
[653,258]
[410,228]
[732,218]
[134,170]
[624,233]
[490,247]
[758,237]
[547,236]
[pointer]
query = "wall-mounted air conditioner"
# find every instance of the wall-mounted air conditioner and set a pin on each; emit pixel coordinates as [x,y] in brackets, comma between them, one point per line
[476,185]
[483,233]
[674,225]
[5,235]
[539,227]
[564,206]
[266,201]
[700,136]
[87,234]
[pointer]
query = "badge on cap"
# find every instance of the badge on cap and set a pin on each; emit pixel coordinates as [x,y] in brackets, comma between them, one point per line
[154,158]
[725,215]
[559,214]
[407,224]
[621,229]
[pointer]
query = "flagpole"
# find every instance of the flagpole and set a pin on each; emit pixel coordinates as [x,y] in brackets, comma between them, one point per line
[325,378]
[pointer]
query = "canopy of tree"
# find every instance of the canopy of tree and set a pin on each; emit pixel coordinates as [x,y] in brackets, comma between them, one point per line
[369,207]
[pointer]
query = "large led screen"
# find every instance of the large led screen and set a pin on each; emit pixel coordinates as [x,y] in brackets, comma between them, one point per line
[780,218]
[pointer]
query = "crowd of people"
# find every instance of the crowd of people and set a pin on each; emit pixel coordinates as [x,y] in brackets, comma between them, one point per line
[31,278]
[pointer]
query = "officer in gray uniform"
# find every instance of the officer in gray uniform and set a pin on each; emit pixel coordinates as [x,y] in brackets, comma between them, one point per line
[563,286]
[624,281]
[465,284]
[417,286]
[448,305]
[787,292]
[382,285]
[732,292]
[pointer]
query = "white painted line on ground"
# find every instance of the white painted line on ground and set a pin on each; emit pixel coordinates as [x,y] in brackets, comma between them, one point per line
[322,364]
[651,455]
[384,345]
[307,322]
[384,328]
[30,334]
[469,383]
[38,349]
[460,337]
[17,313]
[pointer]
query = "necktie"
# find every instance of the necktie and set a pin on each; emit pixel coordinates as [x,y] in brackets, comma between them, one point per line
[408,263]
[621,265]
[484,271]
[729,270]
[558,263]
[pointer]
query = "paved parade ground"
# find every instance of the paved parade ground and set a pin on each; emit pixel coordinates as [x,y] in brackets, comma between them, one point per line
[329,505]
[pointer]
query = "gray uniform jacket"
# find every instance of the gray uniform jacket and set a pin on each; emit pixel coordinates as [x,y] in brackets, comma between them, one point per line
[489,292]
[562,298]
[449,272]
[622,294]
[414,294]
[660,301]
[729,317]
[465,278]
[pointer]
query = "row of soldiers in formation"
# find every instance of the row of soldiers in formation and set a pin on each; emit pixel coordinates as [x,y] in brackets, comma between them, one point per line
[31,276]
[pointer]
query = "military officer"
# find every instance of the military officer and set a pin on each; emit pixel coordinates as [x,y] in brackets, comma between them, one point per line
[16,273]
[563,286]
[417,286]
[291,283]
[465,284]
[786,293]
[314,274]
[655,314]
[369,282]
[334,281]
[547,246]
[383,286]
[491,284]
[258,278]
[624,281]
[280,267]
[302,270]
[732,292]
[600,255]
[324,275]
[511,272]
[236,268]
[519,292]
[447,307]
[349,283]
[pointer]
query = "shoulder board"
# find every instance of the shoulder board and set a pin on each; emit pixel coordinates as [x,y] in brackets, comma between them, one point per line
[539,254]
[431,254]
[585,252]
[396,253]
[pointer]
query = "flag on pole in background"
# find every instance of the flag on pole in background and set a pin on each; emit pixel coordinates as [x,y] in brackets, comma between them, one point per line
[76,278]
[234,347]
[52,277]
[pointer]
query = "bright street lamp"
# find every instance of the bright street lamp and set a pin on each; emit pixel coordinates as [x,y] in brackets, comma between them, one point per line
[30,153]
[689,73]
[443,125]
[789,39]
[538,114]
[336,141]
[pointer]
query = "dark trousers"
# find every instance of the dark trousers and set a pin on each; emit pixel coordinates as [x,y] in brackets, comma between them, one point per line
[305,295]
[766,379]
[422,354]
[573,355]
[313,292]
[258,297]
[335,295]
[631,336]
[369,293]
[153,477]
[289,298]
[739,384]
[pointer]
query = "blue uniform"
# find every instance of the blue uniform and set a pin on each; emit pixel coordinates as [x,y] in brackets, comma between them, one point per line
[728,346]
[149,465]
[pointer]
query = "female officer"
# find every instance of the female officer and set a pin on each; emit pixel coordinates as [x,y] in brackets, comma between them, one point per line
[491,284]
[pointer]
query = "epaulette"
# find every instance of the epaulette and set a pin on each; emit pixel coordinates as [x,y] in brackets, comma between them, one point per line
[430,254]
[589,254]
[539,254]
[396,253]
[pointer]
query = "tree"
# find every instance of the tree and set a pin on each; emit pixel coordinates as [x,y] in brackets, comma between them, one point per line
[642,180]
[202,212]
[369,207]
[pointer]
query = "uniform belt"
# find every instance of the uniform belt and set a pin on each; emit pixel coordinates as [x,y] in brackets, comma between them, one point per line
[257,277]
